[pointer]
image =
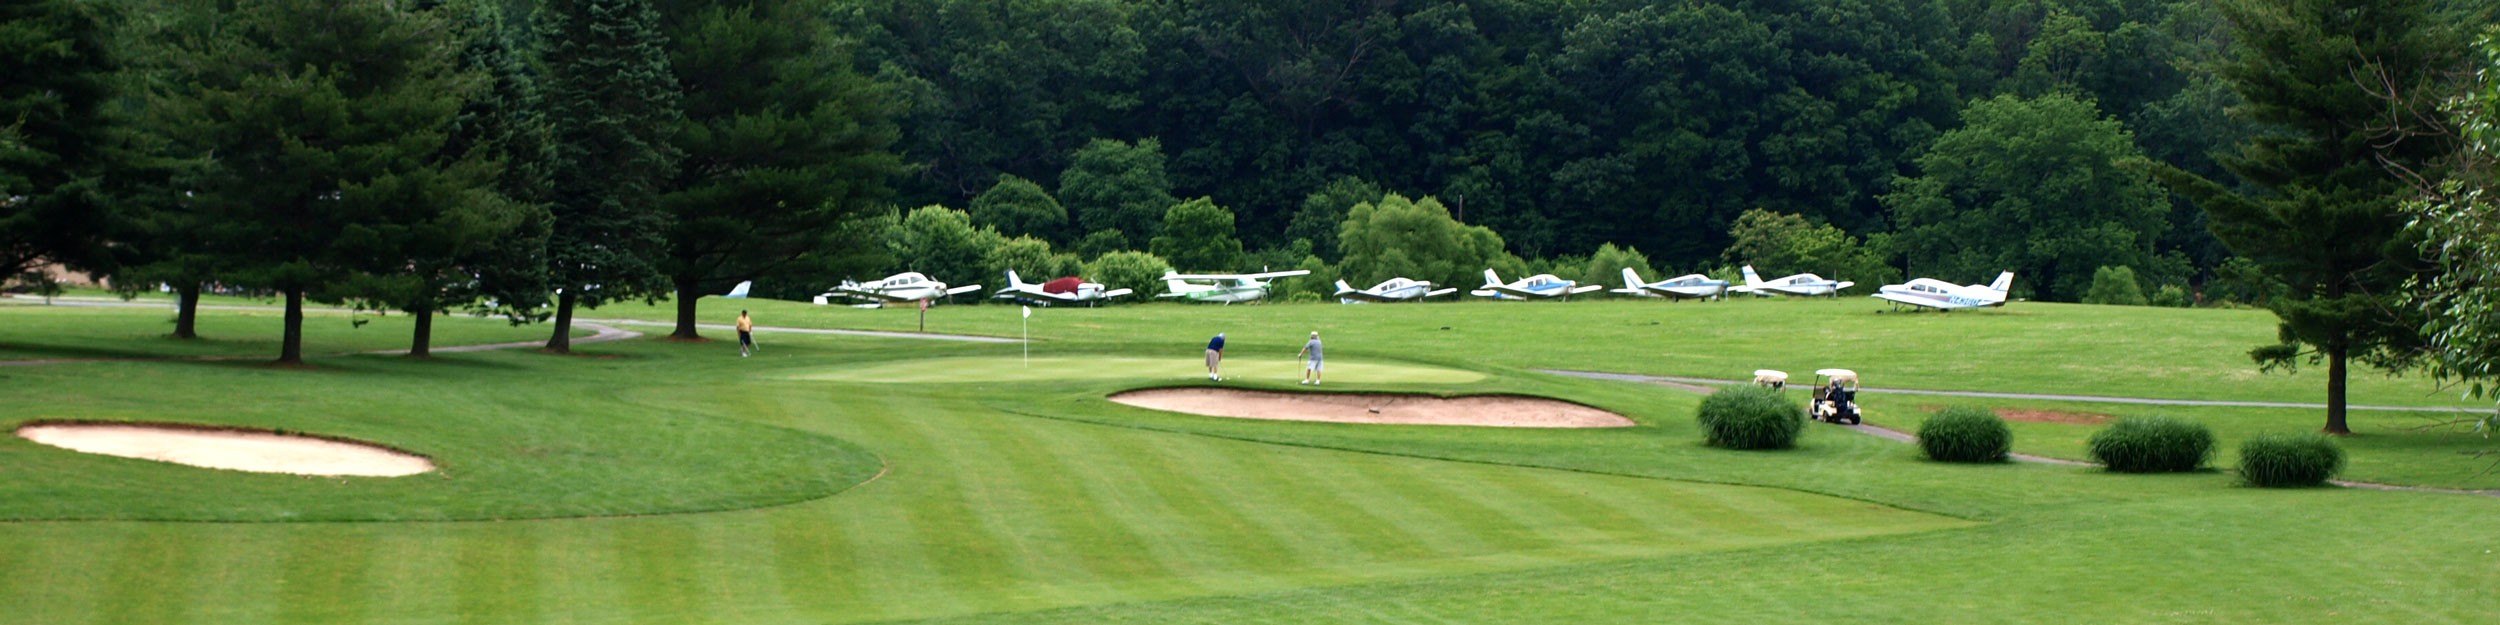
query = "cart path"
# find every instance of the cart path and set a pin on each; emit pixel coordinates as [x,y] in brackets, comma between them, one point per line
[103,302]
[1690,383]
[1696,385]
[604,333]
[968,338]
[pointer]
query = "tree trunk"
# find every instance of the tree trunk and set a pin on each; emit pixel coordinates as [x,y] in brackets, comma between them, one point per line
[562,342]
[422,345]
[291,349]
[187,311]
[687,294]
[2335,357]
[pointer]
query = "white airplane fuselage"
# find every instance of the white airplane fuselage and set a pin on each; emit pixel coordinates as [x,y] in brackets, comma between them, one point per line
[1540,286]
[898,288]
[1801,285]
[1688,286]
[1942,295]
[1391,290]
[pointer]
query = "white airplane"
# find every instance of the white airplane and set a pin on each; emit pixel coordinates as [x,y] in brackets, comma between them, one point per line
[1800,284]
[908,286]
[1228,287]
[1942,295]
[1690,286]
[740,290]
[1540,286]
[1067,290]
[1391,290]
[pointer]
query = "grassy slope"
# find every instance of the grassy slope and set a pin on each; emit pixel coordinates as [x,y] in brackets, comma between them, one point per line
[38,332]
[1007,497]
[2026,347]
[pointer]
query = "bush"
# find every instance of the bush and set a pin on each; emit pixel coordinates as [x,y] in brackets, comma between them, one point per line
[1965,434]
[2115,286]
[1751,417]
[2305,459]
[2152,445]
[2171,296]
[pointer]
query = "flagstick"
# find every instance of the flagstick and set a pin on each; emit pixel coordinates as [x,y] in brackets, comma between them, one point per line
[1028,337]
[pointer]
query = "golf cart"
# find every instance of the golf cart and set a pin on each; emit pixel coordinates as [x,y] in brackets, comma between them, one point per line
[1835,396]
[1770,378]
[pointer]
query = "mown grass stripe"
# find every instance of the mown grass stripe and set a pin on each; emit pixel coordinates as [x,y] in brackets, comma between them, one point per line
[1138,492]
[578,569]
[495,576]
[814,559]
[739,580]
[1245,542]
[949,536]
[1329,523]
[1590,503]
[325,576]
[60,578]
[145,578]
[1100,544]
[1415,483]
[658,567]
[235,567]
[411,570]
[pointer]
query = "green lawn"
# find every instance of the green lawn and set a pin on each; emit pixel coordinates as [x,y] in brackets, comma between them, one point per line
[38,332]
[835,479]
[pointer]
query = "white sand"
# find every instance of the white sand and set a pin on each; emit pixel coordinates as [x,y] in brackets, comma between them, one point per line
[226,449]
[1484,410]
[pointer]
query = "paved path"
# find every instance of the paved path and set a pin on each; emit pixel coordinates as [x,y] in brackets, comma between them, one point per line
[1691,384]
[969,338]
[1687,383]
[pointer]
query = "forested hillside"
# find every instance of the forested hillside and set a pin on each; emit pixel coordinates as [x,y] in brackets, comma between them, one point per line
[1566,125]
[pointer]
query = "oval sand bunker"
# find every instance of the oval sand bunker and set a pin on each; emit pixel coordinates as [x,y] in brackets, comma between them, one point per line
[264,452]
[1507,411]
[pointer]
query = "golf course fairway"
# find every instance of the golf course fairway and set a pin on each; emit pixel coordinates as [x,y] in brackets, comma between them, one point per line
[1012,369]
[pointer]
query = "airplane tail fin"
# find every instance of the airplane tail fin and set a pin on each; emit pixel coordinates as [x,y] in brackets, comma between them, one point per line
[1752,279]
[1342,286]
[2004,281]
[1631,279]
[741,289]
[1176,285]
[1012,280]
[1491,279]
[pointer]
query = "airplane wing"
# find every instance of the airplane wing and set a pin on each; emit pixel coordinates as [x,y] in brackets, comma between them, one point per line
[1440,292]
[1633,291]
[855,292]
[1505,289]
[1915,301]
[963,289]
[1237,276]
[1586,288]
[1363,296]
[1033,294]
[1115,293]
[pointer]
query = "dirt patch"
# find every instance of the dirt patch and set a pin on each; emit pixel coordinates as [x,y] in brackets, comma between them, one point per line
[239,450]
[2042,416]
[1510,411]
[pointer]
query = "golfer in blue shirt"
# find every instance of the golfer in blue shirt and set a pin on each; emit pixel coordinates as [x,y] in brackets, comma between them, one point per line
[1215,357]
[1310,372]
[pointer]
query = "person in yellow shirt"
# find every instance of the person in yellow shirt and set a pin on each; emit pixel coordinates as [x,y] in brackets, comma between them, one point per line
[746,334]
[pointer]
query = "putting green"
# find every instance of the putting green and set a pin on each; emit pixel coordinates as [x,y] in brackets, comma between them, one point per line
[1009,369]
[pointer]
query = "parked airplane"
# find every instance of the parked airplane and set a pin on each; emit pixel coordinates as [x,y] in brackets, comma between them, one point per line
[1067,290]
[1942,295]
[1391,290]
[740,290]
[1800,284]
[1540,286]
[895,289]
[1228,287]
[1691,286]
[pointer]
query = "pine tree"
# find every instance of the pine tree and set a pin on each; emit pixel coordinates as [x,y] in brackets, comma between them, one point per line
[611,104]
[2341,83]
[321,126]
[783,145]
[55,76]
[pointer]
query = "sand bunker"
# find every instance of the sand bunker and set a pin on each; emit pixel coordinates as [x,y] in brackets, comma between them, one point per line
[1508,411]
[264,452]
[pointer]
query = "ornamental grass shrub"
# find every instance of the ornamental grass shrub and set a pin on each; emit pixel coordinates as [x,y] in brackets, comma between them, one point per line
[1965,434]
[2152,444]
[1751,417]
[2279,460]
